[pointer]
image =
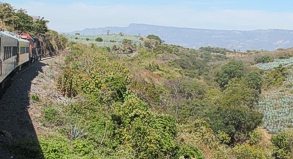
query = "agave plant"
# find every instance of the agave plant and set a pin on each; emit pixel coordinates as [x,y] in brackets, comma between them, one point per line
[76,132]
[275,63]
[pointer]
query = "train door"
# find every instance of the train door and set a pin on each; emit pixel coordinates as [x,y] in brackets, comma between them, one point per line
[16,53]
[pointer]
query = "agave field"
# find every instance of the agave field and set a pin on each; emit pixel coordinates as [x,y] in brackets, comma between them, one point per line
[108,40]
[277,104]
[275,63]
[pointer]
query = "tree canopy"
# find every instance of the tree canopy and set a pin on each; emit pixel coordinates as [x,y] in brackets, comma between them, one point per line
[155,37]
[233,69]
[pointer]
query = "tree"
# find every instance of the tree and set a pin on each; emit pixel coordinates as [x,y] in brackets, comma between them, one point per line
[233,69]
[236,122]
[276,77]
[126,42]
[264,59]
[8,15]
[26,23]
[283,143]
[254,80]
[155,37]
[99,39]
[149,134]
[147,44]
[127,46]
[161,49]
[238,93]
[40,26]
[54,41]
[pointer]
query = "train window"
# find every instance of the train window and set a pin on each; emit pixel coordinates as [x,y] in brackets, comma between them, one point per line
[7,52]
[14,51]
[23,50]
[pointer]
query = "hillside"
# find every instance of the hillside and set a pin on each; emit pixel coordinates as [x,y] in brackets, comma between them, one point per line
[166,102]
[196,38]
[120,96]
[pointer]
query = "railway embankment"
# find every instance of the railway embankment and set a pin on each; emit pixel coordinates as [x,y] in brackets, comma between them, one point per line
[19,115]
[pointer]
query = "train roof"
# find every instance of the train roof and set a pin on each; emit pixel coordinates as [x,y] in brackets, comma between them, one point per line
[12,35]
[9,34]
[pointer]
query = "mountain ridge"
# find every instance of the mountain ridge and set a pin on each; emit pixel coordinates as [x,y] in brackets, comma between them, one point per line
[260,39]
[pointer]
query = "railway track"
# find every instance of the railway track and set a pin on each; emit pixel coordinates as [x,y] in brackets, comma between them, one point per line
[17,116]
[9,80]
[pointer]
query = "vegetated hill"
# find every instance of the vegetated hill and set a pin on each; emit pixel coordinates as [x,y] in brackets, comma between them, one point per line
[105,40]
[166,102]
[195,38]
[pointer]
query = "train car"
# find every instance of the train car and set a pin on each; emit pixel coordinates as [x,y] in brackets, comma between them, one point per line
[27,37]
[8,54]
[35,47]
[23,53]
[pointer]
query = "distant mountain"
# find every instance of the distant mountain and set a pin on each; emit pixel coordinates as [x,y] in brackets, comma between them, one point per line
[195,38]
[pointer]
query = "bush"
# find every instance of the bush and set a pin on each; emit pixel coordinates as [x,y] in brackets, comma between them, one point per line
[255,137]
[190,152]
[264,59]
[246,151]
[283,143]
[35,98]
[149,134]
[50,114]
[155,37]
[236,121]
[233,69]
[99,39]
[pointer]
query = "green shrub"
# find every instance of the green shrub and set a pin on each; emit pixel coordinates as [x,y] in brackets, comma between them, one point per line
[50,114]
[237,122]
[246,151]
[99,39]
[255,137]
[55,146]
[264,59]
[149,134]
[35,98]
[190,152]
[283,143]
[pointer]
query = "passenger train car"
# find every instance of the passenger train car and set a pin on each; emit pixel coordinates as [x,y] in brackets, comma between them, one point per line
[17,51]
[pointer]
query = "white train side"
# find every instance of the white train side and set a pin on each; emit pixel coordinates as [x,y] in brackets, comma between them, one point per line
[14,53]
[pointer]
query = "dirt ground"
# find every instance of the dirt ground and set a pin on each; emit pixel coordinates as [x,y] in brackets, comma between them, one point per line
[19,116]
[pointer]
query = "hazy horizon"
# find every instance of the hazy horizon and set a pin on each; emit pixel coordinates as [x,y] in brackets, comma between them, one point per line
[174,27]
[66,16]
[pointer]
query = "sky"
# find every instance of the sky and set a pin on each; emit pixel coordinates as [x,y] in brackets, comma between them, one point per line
[73,15]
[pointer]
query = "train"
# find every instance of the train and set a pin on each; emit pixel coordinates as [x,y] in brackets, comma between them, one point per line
[17,51]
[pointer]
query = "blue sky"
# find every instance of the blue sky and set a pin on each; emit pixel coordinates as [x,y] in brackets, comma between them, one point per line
[70,15]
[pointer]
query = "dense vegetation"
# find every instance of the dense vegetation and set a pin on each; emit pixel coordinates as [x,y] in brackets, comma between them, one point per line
[165,102]
[161,101]
[18,21]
